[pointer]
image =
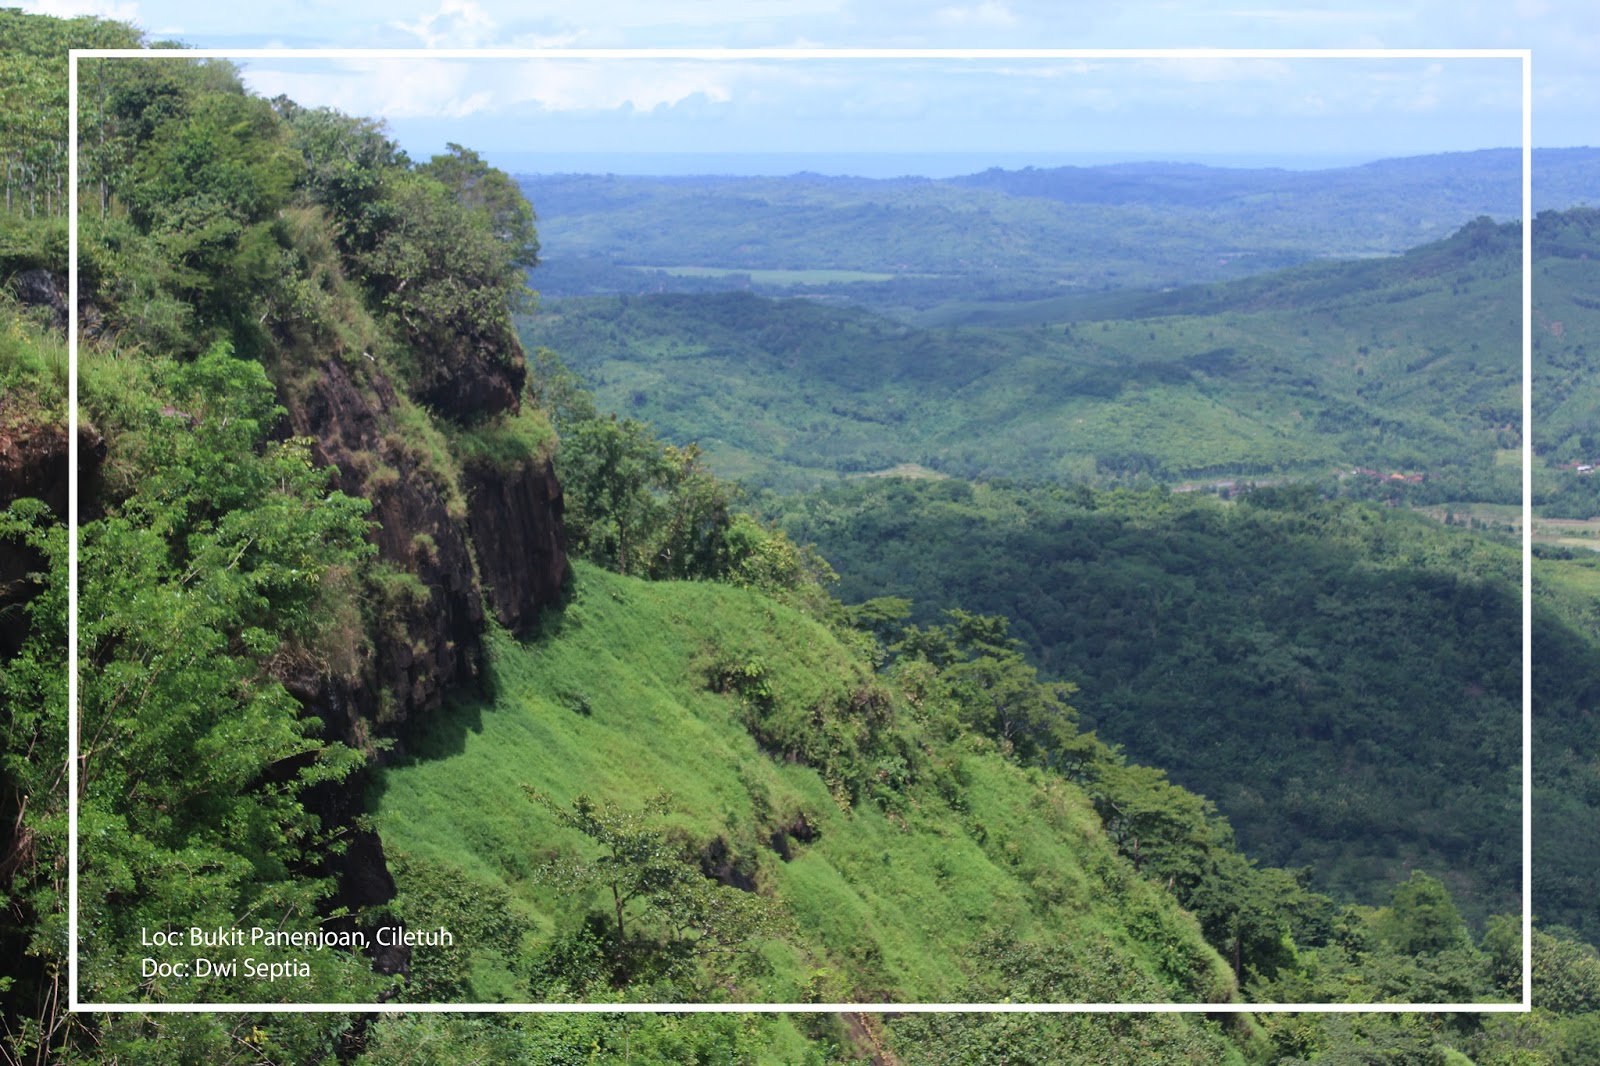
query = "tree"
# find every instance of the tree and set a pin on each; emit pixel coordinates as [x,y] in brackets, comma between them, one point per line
[995,690]
[344,160]
[635,861]
[491,193]
[610,468]
[698,511]
[1423,918]
[642,863]
[1566,975]
[33,103]
[197,588]
[437,265]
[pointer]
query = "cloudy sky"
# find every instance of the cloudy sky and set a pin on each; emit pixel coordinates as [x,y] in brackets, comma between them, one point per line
[540,114]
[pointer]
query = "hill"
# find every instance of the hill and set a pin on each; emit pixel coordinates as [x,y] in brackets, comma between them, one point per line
[917,243]
[1407,364]
[902,863]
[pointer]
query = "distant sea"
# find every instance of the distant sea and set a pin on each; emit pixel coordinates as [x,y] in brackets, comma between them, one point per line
[868,165]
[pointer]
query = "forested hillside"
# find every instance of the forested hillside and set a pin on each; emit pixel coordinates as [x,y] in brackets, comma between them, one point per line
[1343,680]
[383,623]
[1409,364]
[1344,373]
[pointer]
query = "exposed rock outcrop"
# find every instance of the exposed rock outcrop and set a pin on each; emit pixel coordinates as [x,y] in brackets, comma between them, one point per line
[516,521]
[449,547]
[41,288]
[796,828]
[473,375]
[361,870]
[720,864]
[426,631]
[33,462]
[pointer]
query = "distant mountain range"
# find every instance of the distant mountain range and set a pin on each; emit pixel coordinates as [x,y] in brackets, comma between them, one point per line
[914,243]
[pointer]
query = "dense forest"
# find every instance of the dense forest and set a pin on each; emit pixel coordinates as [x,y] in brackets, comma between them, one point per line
[1342,680]
[385,621]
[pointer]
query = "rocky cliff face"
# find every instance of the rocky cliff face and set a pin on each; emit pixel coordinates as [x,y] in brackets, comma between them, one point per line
[470,375]
[448,543]
[425,636]
[33,461]
[516,522]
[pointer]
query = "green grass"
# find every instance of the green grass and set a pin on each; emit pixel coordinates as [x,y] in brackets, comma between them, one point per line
[887,904]
[1573,583]
[913,471]
[1485,515]
[33,368]
[506,443]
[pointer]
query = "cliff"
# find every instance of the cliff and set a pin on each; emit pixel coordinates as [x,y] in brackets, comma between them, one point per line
[458,539]
[515,518]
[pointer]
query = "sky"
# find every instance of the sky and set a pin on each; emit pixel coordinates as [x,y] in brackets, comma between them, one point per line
[944,114]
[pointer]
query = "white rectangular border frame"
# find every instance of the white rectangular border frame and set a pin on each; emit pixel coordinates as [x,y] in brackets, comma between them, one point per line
[73,756]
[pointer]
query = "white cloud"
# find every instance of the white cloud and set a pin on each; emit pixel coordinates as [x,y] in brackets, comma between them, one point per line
[457,24]
[583,86]
[1047,70]
[65,9]
[1219,71]
[990,13]
[1323,15]
[953,101]
[409,89]
[438,88]
[718,13]
[570,39]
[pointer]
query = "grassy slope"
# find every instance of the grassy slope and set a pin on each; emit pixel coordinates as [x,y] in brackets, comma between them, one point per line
[886,905]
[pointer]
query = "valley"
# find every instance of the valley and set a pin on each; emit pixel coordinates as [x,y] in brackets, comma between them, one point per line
[1087,586]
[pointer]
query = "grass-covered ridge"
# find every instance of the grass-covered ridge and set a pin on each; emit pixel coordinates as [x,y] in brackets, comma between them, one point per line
[912,893]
